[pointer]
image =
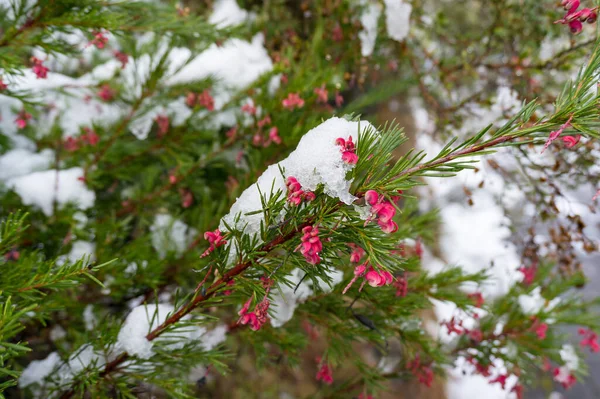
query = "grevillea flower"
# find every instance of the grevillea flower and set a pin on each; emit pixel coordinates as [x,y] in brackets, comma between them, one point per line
[541,330]
[563,376]
[339,100]
[359,271]
[38,68]
[311,245]
[295,193]
[378,278]
[381,210]
[22,118]
[187,198]
[322,94]
[162,121]
[106,93]
[476,335]
[12,255]
[571,141]
[99,40]
[556,134]
[501,379]
[324,374]
[518,390]
[215,240]
[206,100]
[122,58]
[264,121]
[348,150]
[422,372]
[90,137]
[292,101]
[454,326]
[190,100]
[274,135]
[71,144]
[249,109]
[477,298]
[356,254]
[401,285]
[528,274]
[575,18]
[3,86]
[590,339]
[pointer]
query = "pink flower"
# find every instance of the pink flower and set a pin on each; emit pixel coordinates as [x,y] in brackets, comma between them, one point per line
[257,318]
[476,335]
[574,18]
[90,137]
[324,374]
[337,34]
[359,271]
[378,278]
[122,58]
[348,150]
[71,144]
[264,121]
[528,274]
[292,101]
[215,240]
[3,86]
[541,330]
[596,195]
[274,135]
[422,372]
[322,94]
[22,118]
[477,297]
[172,179]
[295,193]
[311,245]
[556,134]
[38,68]
[571,141]
[206,100]
[401,285]
[106,93]
[339,100]
[454,326]
[356,254]
[190,100]
[249,108]
[590,339]
[381,210]
[563,376]
[187,198]
[99,40]
[372,197]
[501,379]
[162,121]
[518,390]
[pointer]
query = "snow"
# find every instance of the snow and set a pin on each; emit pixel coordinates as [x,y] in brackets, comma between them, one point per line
[20,161]
[569,356]
[368,35]
[315,161]
[170,235]
[533,303]
[397,19]
[80,249]
[144,318]
[38,370]
[285,301]
[89,318]
[41,189]
[228,13]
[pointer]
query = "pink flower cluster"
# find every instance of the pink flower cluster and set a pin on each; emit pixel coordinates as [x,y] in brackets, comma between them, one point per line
[295,193]
[571,141]
[401,285]
[324,373]
[322,94]
[356,254]
[375,278]
[162,121]
[122,58]
[38,68]
[99,40]
[564,376]
[575,18]
[203,99]
[3,85]
[215,240]
[422,372]
[348,150]
[273,135]
[90,137]
[22,118]
[257,318]
[106,93]
[311,245]
[292,101]
[382,210]
[590,339]
[528,273]
[556,134]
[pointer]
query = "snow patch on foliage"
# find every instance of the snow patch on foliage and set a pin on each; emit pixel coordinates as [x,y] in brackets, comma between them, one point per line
[43,188]
[170,235]
[143,319]
[228,13]
[397,19]
[368,35]
[533,303]
[316,161]
[38,370]
[285,301]
[20,161]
